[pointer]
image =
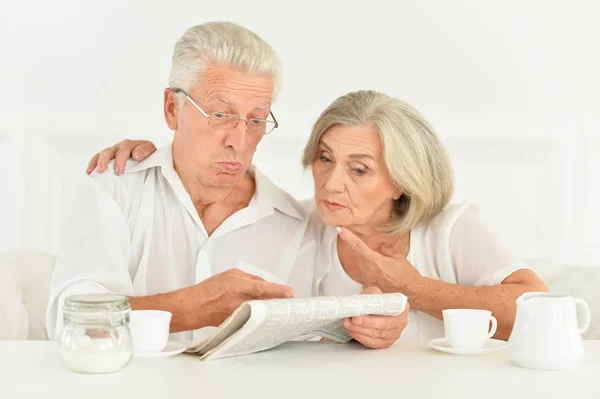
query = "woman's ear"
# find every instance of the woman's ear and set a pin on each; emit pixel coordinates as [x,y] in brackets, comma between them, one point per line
[171,109]
[397,194]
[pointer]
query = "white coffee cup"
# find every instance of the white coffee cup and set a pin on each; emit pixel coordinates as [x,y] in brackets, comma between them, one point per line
[149,330]
[468,328]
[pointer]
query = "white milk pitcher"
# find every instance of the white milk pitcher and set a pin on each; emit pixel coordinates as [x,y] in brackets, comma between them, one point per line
[547,331]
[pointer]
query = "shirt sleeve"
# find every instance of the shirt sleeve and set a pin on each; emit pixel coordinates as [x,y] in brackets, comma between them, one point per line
[94,254]
[477,255]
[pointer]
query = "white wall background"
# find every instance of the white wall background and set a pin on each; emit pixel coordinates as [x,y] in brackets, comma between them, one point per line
[511,86]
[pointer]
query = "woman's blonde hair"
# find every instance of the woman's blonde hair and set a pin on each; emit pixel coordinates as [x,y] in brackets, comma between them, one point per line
[417,161]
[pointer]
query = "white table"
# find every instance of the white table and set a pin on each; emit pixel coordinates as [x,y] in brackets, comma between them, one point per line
[299,370]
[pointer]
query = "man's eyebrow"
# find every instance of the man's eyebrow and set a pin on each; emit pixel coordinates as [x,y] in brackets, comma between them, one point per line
[222,99]
[229,102]
[232,103]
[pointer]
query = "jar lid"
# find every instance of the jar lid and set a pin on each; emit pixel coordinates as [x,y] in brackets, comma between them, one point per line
[96,310]
[90,303]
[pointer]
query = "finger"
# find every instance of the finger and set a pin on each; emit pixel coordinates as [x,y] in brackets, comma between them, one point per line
[371,342]
[124,152]
[266,290]
[379,322]
[242,274]
[92,164]
[379,333]
[357,244]
[253,277]
[370,290]
[105,156]
[143,150]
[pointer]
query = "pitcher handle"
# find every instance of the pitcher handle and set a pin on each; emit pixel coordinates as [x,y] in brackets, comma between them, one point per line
[583,315]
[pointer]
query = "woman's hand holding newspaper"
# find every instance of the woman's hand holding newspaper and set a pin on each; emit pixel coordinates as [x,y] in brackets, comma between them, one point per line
[377,332]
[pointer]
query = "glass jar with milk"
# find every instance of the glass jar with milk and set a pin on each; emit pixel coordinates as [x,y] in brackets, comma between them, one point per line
[95,337]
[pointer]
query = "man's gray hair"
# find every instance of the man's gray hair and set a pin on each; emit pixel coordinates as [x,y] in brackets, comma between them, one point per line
[417,161]
[221,43]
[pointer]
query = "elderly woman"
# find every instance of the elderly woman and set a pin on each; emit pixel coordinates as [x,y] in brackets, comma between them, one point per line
[381,217]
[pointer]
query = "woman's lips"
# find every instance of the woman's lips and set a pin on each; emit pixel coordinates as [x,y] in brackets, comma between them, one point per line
[334,206]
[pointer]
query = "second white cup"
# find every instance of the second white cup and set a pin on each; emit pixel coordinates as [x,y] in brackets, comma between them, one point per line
[149,330]
[468,328]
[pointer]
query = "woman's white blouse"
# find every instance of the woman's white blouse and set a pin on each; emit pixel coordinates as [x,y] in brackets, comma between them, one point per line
[455,247]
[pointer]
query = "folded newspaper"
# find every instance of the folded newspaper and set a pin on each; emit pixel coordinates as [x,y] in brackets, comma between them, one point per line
[259,325]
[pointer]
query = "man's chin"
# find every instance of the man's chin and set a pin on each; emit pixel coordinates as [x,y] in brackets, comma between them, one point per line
[226,179]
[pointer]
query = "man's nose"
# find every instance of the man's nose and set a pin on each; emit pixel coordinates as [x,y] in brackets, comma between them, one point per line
[236,136]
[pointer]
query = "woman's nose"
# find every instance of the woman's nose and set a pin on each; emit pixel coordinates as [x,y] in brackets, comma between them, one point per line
[335,180]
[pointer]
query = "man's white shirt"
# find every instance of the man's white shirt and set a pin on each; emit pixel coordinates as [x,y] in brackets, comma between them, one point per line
[139,234]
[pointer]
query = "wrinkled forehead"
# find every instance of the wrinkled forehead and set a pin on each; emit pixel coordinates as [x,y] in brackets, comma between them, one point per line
[235,87]
[348,140]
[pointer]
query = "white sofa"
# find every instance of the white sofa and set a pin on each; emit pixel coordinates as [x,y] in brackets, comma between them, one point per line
[25,275]
[24,284]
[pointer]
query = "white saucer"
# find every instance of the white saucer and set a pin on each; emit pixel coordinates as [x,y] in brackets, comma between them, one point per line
[492,345]
[171,348]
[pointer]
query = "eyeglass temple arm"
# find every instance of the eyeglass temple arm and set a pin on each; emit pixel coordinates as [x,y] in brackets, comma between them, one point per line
[274,120]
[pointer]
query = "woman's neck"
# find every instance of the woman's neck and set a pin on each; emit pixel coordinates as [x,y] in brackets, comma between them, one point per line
[373,236]
[372,230]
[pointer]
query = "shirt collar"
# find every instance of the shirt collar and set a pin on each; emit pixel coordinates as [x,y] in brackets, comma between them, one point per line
[163,158]
[267,195]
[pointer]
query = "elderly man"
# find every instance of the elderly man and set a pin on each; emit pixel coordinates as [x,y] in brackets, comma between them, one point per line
[195,229]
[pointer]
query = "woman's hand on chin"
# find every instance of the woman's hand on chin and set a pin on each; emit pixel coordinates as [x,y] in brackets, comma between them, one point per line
[387,270]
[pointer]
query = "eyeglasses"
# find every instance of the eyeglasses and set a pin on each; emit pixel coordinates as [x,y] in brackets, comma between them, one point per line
[221,119]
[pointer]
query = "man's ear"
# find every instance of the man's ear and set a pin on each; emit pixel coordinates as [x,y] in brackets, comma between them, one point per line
[171,109]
